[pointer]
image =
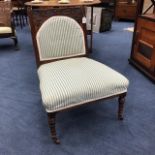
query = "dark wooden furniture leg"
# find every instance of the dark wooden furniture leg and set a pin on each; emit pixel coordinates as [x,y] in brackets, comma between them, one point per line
[91,35]
[51,122]
[15,40]
[121,101]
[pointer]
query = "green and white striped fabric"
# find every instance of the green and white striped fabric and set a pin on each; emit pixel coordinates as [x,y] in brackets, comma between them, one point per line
[75,81]
[59,37]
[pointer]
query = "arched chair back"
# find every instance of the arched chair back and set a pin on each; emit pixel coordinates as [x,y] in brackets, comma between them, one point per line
[60,37]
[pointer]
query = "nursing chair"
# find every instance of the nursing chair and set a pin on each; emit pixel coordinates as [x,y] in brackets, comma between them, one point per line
[6,25]
[67,77]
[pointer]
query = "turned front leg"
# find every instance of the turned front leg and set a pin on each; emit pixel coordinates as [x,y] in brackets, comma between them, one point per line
[51,122]
[121,101]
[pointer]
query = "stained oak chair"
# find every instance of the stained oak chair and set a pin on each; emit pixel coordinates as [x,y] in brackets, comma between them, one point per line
[6,25]
[67,77]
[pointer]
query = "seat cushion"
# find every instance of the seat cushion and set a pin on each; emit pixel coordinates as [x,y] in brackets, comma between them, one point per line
[75,81]
[4,30]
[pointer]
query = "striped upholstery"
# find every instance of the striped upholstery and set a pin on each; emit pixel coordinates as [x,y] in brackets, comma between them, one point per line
[75,81]
[59,37]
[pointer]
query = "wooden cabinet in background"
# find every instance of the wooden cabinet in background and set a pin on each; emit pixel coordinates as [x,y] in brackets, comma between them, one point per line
[125,9]
[143,52]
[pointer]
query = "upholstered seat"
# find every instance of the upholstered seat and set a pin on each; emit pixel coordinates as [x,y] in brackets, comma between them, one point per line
[5,29]
[75,81]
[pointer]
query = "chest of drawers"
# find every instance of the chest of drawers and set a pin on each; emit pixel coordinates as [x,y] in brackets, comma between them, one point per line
[125,10]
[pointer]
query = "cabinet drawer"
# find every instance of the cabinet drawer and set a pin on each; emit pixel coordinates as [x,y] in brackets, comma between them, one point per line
[126,11]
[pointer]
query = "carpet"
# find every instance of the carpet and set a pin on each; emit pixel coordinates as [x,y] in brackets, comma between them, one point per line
[88,130]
